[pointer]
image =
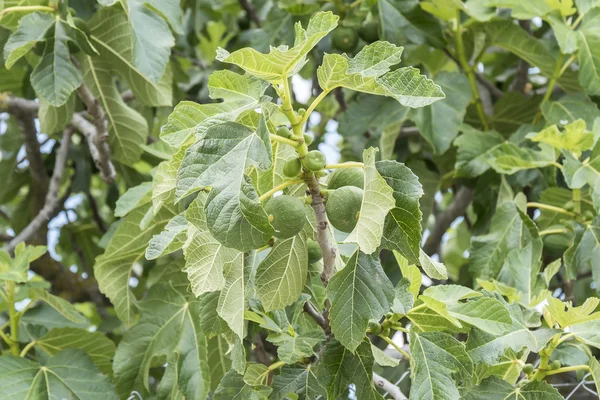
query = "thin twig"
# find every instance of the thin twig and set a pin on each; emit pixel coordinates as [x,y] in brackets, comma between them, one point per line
[462,199]
[97,140]
[250,11]
[95,212]
[339,96]
[24,112]
[388,386]
[319,319]
[52,201]
[522,75]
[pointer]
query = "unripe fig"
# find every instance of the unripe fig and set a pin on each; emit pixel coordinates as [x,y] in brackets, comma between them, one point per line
[314,160]
[284,132]
[346,177]
[344,39]
[292,167]
[314,251]
[343,207]
[287,215]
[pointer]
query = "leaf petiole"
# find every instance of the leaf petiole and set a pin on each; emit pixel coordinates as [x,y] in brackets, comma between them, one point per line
[351,164]
[276,365]
[553,232]
[14,318]
[314,105]
[26,348]
[291,142]
[279,187]
[395,346]
[568,369]
[550,208]
[25,8]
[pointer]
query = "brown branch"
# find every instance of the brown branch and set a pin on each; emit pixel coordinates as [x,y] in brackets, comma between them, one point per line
[4,237]
[329,252]
[494,91]
[318,317]
[388,386]
[462,199]
[250,11]
[25,112]
[522,75]
[339,96]
[96,138]
[95,212]
[52,201]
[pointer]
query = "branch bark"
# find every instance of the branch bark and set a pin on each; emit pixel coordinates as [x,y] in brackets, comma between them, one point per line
[25,112]
[96,138]
[388,386]
[52,202]
[462,199]
[250,11]
[522,75]
[329,252]
[319,319]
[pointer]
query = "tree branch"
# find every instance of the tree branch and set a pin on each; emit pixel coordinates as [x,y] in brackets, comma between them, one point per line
[388,386]
[52,201]
[339,96]
[24,112]
[462,199]
[96,138]
[99,149]
[329,252]
[522,75]
[319,319]
[250,11]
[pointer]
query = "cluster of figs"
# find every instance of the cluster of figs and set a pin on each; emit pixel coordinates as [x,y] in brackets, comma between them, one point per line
[343,199]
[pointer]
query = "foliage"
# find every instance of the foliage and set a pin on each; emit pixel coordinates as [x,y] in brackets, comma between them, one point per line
[186,231]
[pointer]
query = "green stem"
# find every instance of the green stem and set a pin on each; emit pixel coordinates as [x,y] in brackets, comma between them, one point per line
[418,307]
[566,64]
[351,164]
[399,328]
[281,139]
[577,21]
[460,50]
[567,369]
[566,337]
[550,208]
[293,117]
[25,8]
[314,105]
[395,346]
[558,69]
[545,355]
[280,187]
[577,200]
[27,348]
[13,317]
[276,365]
[552,231]
[5,338]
